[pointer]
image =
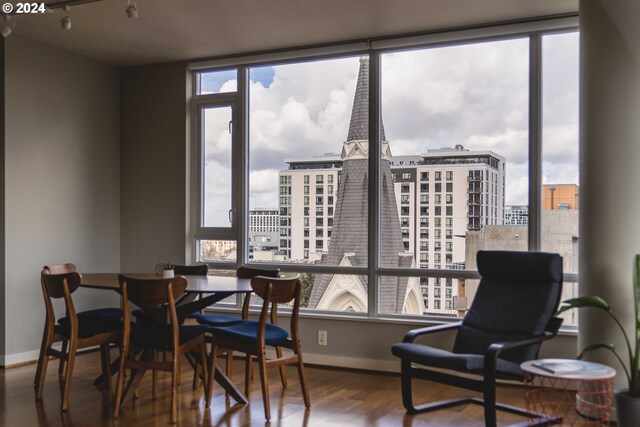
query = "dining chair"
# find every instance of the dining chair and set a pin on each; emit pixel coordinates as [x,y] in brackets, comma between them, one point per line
[511,315]
[100,327]
[252,337]
[214,320]
[139,344]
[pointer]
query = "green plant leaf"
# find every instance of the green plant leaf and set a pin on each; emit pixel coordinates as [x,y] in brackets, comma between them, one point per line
[586,301]
[596,346]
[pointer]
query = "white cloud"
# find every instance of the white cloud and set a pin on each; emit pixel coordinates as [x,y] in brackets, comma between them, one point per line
[476,95]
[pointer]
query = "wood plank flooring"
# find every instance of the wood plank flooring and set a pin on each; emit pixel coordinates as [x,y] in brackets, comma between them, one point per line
[338,398]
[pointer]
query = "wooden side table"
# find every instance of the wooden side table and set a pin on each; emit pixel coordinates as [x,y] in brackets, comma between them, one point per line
[581,397]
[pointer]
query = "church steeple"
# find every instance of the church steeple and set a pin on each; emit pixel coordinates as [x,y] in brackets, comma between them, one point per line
[357,143]
[349,245]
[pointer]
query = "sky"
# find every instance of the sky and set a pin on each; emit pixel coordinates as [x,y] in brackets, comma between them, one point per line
[475,95]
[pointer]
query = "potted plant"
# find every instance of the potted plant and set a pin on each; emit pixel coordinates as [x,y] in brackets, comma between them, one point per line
[627,400]
[167,270]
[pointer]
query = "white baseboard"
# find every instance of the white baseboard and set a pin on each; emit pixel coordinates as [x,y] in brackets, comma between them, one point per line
[17,358]
[352,362]
[314,359]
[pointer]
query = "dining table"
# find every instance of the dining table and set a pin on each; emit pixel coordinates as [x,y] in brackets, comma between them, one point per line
[209,290]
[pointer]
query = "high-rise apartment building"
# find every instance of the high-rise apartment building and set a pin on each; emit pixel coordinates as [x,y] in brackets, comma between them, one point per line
[264,226]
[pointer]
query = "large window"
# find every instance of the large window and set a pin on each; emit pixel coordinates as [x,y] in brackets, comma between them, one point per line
[452,172]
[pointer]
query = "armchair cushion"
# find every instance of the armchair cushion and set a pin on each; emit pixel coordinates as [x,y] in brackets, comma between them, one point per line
[248,331]
[94,322]
[437,358]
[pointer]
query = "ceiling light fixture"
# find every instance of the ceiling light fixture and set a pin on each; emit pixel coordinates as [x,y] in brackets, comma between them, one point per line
[132,9]
[8,26]
[66,21]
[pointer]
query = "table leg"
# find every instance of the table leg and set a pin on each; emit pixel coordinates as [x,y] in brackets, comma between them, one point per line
[229,387]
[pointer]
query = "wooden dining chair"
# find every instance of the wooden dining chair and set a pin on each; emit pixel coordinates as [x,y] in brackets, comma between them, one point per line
[100,327]
[139,344]
[214,320]
[252,337]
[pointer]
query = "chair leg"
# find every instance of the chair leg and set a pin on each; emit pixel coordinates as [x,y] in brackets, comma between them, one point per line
[303,382]
[490,419]
[65,343]
[247,375]
[211,379]
[154,375]
[229,370]
[105,356]
[175,373]
[196,374]
[264,380]
[71,355]
[44,346]
[120,383]
[203,364]
[41,372]
[283,368]
[405,378]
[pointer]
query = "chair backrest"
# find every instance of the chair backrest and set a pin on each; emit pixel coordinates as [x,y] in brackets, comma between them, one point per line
[185,270]
[153,296]
[250,273]
[274,291]
[517,296]
[55,286]
[60,268]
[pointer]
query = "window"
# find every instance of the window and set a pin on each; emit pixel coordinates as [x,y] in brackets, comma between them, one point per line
[476,130]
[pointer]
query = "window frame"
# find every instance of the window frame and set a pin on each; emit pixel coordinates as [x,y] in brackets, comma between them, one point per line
[531,29]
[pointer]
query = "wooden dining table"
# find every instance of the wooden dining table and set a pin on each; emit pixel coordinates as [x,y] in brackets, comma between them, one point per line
[210,290]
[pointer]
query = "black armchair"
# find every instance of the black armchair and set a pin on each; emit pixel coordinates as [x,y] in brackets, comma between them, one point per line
[511,315]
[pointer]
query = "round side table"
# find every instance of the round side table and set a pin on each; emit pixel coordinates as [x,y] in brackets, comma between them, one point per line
[580,394]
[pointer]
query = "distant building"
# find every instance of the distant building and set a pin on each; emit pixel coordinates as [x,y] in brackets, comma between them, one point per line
[559,235]
[264,226]
[560,196]
[516,215]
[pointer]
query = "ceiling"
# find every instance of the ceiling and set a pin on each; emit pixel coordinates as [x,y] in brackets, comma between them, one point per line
[171,30]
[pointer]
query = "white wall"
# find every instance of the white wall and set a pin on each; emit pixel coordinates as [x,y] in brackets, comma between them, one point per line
[62,181]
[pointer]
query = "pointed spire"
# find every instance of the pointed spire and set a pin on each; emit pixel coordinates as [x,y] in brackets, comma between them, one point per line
[359,126]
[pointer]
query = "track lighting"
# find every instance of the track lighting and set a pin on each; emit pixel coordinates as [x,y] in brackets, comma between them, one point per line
[66,21]
[132,9]
[7,27]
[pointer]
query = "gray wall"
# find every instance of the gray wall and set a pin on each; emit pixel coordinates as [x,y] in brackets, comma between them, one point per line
[2,223]
[153,162]
[62,180]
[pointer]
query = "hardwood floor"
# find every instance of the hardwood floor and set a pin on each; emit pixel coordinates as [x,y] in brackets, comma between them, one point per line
[338,398]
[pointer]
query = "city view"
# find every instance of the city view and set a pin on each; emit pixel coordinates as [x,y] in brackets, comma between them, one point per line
[454,168]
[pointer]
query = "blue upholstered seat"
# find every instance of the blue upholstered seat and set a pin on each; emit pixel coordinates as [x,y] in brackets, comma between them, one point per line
[216,319]
[93,322]
[247,330]
[159,335]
